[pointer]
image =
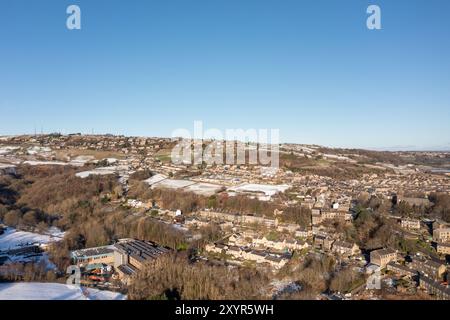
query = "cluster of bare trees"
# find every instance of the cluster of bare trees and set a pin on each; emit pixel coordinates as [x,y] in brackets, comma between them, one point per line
[173,277]
[345,280]
[313,274]
[30,272]
[316,275]
[190,202]
[44,196]
[328,168]
[58,191]
[441,206]
[40,196]
[373,230]
[103,229]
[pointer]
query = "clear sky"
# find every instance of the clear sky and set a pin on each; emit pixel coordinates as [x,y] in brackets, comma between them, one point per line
[309,68]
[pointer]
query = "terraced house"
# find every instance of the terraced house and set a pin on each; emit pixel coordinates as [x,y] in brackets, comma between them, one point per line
[443,248]
[441,235]
[432,269]
[412,224]
[435,289]
[345,248]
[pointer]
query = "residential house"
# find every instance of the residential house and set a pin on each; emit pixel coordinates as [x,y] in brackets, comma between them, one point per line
[215,247]
[441,235]
[276,261]
[443,248]
[400,269]
[308,203]
[287,244]
[237,218]
[255,255]
[303,233]
[439,224]
[345,248]
[194,223]
[294,244]
[237,239]
[434,288]
[382,257]
[234,251]
[412,224]
[328,214]
[429,268]
[287,227]
[323,242]
[316,217]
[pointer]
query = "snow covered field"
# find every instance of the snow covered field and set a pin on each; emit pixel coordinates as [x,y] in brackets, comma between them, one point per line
[73,163]
[268,190]
[172,184]
[13,239]
[45,163]
[53,291]
[104,171]
[6,166]
[98,172]
[37,150]
[7,149]
[155,179]
[162,181]
[205,189]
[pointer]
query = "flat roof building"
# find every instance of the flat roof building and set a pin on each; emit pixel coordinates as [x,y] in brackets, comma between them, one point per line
[88,256]
[131,255]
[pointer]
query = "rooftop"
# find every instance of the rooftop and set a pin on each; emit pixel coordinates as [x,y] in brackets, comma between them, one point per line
[268,190]
[141,250]
[93,252]
[383,252]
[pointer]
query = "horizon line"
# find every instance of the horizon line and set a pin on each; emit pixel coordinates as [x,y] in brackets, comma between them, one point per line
[410,148]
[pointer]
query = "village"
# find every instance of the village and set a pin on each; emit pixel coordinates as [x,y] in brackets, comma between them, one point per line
[314,216]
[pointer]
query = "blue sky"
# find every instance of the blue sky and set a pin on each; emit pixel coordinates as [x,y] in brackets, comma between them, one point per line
[310,68]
